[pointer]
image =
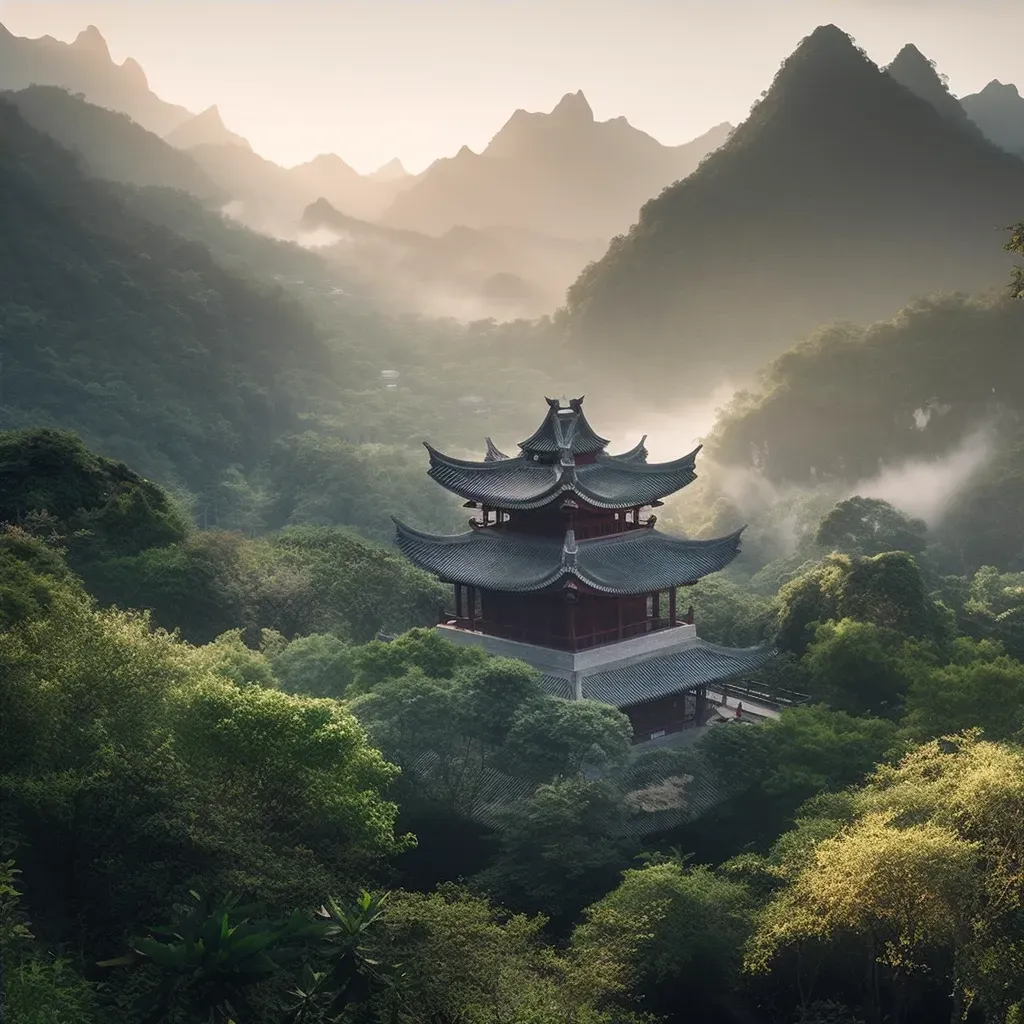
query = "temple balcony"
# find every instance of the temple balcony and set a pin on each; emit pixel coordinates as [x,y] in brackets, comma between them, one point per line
[561,639]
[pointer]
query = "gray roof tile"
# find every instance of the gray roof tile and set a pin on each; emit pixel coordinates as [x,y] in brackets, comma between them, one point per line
[636,562]
[697,664]
[611,481]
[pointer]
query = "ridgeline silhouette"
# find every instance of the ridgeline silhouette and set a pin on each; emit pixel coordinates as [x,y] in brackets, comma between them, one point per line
[85,66]
[560,173]
[841,196]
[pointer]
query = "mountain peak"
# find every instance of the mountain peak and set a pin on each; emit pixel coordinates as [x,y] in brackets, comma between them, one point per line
[823,59]
[910,54]
[210,116]
[393,170]
[574,106]
[995,88]
[206,128]
[998,110]
[133,69]
[915,72]
[90,39]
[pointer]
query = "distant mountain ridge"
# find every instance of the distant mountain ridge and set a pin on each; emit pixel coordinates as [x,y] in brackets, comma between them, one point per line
[131,335]
[112,145]
[204,129]
[560,173]
[914,71]
[85,66]
[998,110]
[493,272]
[840,197]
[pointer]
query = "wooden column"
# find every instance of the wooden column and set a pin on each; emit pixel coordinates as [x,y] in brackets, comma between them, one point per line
[572,625]
[471,601]
[672,621]
[656,609]
[618,608]
[458,601]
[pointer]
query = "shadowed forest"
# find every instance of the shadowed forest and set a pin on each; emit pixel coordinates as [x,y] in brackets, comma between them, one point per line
[243,780]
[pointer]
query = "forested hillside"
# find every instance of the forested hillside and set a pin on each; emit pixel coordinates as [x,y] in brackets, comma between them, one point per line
[256,756]
[243,780]
[132,336]
[842,196]
[111,144]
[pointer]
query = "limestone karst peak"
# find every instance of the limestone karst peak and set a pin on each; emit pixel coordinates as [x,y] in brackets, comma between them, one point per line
[92,40]
[573,105]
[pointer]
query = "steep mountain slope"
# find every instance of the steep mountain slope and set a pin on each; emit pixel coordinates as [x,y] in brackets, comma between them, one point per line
[841,197]
[205,129]
[561,173]
[130,335]
[262,193]
[850,398]
[112,145]
[998,110]
[914,71]
[85,66]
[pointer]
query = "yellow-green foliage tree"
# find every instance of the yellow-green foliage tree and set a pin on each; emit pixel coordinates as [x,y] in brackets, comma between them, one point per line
[919,889]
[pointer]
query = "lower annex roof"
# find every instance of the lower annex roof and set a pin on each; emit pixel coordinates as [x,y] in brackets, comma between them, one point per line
[698,664]
[635,562]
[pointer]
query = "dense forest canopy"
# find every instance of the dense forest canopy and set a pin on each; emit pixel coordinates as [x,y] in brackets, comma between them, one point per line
[242,778]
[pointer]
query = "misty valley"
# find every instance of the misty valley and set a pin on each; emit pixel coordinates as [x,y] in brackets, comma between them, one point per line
[580,581]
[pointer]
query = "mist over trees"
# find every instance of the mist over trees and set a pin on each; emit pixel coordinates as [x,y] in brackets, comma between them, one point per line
[243,779]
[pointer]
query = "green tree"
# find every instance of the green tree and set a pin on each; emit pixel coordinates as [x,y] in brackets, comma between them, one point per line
[768,771]
[886,590]
[553,737]
[982,688]
[869,526]
[135,770]
[94,506]
[679,932]
[559,849]
[860,667]
[319,665]
[466,960]
[920,881]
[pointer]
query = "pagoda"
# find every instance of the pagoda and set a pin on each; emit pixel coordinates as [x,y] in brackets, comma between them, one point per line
[564,568]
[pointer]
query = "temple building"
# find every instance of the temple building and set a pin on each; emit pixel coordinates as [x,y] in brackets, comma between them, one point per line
[564,568]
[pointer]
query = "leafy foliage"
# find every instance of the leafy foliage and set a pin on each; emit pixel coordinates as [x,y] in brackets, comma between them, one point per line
[50,482]
[130,335]
[869,526]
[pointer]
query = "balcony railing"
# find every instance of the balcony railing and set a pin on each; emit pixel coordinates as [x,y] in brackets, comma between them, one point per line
[562,641]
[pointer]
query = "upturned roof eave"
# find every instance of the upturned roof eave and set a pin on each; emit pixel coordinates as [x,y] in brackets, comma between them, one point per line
[560,575]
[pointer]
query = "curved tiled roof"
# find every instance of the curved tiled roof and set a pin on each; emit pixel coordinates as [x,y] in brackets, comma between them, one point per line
[565,428]
[697,664]
[636,562]
[638,453]
[610,481]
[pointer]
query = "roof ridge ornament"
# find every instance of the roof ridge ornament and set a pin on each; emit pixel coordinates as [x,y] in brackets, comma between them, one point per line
[564,426]
[494,454]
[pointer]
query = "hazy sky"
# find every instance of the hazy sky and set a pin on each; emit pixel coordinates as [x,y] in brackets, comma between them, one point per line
[373,79]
